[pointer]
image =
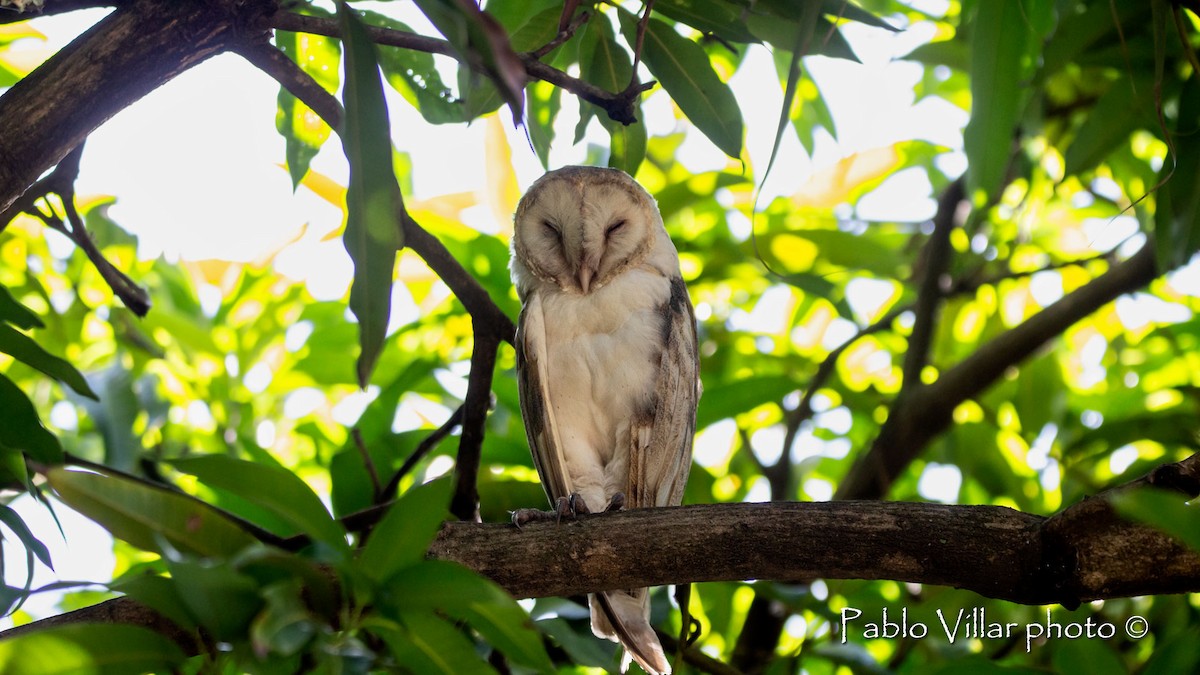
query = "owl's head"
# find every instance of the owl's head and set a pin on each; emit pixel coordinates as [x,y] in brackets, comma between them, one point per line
[580,226]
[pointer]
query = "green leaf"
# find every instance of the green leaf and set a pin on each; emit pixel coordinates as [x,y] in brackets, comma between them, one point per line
[160,594]
[708,16]
[415,75]
[21,429]
[274,488]
[439,585]
[102,649]
[15,313]
[373,202]
[426,643]
[844,9]
[1165,510]
[684,70]
[1176,654]
[403,536]
[543,101]
[143,514]
[115,414]
[584,650]
[732,398]
[479,38]
[285,625]
[998,48]
[222,600]
[13,520]
[1087,656]
[607,65]
[22,348]
[303,130]
[1177,213]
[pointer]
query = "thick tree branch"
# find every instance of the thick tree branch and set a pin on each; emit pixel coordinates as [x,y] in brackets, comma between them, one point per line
[128,54]
[1083,553]
[51,7]
[929,409]
[465,502]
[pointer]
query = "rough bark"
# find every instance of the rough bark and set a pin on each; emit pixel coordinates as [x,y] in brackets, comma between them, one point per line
[1084,553]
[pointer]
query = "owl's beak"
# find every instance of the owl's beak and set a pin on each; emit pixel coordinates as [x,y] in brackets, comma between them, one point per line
[585,277]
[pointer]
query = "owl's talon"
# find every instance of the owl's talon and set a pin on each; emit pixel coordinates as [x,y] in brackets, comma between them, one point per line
[565,506]
[617,503]
[579,506]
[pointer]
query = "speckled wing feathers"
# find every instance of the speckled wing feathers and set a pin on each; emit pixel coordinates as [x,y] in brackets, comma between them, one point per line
[540,426]
[661,442]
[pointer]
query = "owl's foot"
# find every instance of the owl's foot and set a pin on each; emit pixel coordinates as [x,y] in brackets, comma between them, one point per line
[522,517]
[565,507]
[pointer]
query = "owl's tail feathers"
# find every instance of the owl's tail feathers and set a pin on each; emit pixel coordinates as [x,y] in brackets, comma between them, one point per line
[625,617]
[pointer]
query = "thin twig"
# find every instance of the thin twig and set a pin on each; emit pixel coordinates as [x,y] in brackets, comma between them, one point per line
[936,258]
[428,443]
[567,28]
[637,48]
[356,434]
[291,77]
[61,181]
[618,105]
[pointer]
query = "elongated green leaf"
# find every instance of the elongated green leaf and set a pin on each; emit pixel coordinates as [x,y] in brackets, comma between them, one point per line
[428,643]
[21,429]
[303,130]
[542,103]
[844,9]
[1001,36]
[15,313]
[684,70]
[1164,510]
[13,520]
[414,74]
[404,534]
[453,589]
[102,649]
[22,348]
[274,488]
[373,202]
[479,38]
[140,513]
[708,16]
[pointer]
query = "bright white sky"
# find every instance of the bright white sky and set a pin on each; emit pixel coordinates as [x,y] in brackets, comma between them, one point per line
[195,167]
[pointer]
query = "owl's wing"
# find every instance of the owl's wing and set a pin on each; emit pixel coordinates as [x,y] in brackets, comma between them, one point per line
[532,380]
[661,439]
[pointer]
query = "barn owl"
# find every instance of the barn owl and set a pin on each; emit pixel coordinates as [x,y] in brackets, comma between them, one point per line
[607,363]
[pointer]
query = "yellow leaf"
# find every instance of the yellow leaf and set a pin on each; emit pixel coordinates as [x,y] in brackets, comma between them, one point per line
[846,180]
[324,187]
[503,193]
